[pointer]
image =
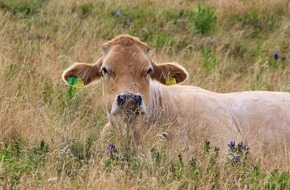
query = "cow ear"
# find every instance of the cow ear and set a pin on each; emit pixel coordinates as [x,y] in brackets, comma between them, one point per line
[169,73]
[84,72]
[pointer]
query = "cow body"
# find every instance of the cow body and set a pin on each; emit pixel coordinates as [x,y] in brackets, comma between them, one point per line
[231,116]
[136,96]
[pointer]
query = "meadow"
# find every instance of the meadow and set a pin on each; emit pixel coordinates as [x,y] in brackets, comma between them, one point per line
[50,132]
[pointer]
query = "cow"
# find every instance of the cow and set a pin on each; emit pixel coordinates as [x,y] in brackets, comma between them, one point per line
[137,94]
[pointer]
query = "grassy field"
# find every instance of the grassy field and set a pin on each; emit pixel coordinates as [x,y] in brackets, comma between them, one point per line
[49,133]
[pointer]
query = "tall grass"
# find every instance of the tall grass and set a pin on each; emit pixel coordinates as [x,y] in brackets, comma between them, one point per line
[50,139]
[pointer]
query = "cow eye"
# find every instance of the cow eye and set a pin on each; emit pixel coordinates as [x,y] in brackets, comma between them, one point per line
[105,71]
[149,71]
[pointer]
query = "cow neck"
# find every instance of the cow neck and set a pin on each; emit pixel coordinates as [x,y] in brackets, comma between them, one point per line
[159,108]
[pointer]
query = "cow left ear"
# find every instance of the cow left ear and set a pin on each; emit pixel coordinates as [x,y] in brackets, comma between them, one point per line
[84,72]
[169,73]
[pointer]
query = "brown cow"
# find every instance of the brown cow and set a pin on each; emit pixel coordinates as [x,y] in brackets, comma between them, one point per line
[136,94]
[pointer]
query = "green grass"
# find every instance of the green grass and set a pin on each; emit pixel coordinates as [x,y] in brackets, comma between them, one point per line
[18,162]
[49,132]
[23,8]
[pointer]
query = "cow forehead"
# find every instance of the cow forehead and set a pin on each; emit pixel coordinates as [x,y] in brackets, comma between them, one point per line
[126,57]
[126,41]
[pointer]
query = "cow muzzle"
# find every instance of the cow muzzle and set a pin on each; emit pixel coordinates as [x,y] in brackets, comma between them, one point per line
[128,103]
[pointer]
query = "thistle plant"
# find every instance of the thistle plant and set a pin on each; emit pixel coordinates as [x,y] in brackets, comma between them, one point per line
[237,153]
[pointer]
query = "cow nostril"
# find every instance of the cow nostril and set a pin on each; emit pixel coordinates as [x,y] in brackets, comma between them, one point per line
[121,99]
[138,100]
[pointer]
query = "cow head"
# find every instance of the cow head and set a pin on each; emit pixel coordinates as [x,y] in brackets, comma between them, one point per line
[126,70]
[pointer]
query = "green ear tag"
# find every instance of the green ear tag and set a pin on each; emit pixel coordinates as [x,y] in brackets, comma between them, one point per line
[75,82]
[170,81]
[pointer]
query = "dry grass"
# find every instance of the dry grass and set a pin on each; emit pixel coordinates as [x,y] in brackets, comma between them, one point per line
[51,141]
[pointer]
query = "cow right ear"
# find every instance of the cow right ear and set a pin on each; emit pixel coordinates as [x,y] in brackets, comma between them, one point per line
[83,71]
[169,73]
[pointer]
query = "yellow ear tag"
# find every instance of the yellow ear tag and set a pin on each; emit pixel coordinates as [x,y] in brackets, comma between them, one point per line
[80,84]
[76,82]
[170,81]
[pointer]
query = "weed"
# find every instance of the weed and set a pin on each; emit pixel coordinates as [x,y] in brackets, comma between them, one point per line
[237,153]
[204,21]
[209,60]
[277,60]
[156,155]
[258,23]
[177,168]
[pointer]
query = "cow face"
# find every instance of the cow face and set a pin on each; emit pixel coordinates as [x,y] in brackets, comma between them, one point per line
[127,71]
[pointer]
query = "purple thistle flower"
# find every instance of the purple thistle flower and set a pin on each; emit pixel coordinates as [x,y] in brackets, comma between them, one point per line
[243,148]
[241,145]
[111,149]
[39,37]
[232,145]
[236,158]
[276,55]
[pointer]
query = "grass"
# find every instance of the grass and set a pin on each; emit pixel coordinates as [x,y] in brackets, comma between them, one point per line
[49,133]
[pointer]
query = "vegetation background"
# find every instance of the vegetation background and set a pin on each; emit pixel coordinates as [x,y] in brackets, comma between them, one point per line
[49,132]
